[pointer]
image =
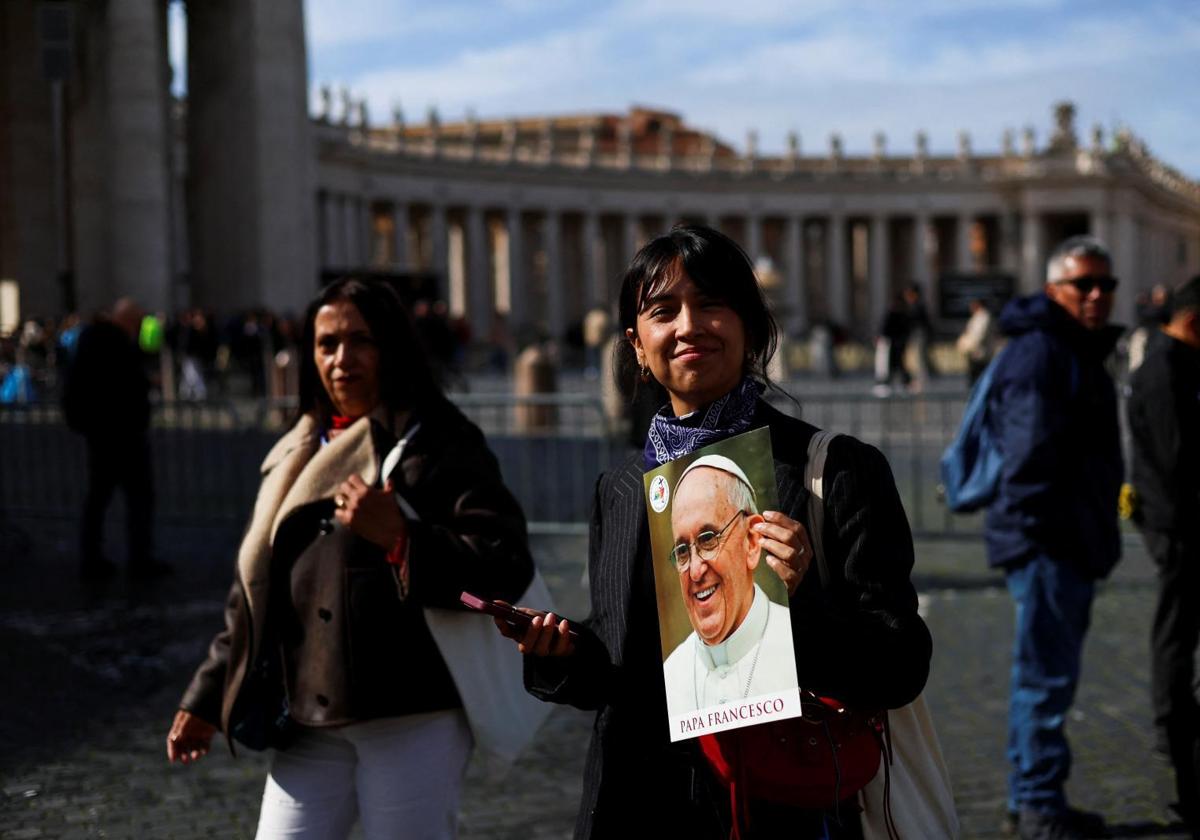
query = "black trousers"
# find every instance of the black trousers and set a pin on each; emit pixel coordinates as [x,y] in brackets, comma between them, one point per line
[112,463]
[1173,641]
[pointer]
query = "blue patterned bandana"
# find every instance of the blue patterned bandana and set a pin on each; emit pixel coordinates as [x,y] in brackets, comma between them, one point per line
[673,437]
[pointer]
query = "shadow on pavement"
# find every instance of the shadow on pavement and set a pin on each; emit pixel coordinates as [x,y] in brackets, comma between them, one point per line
[1147,829]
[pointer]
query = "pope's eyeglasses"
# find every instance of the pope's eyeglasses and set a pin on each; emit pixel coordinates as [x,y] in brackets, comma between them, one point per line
[707,544]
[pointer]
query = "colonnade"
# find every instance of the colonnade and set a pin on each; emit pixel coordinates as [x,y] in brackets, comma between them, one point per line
[544,267]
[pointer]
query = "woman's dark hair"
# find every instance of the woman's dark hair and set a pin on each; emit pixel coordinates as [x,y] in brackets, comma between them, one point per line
[406,378]
[718,267]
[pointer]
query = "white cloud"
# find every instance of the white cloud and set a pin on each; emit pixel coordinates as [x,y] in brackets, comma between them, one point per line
[343,23]
[882,53]
[788,13]
[853,66]
[536,75]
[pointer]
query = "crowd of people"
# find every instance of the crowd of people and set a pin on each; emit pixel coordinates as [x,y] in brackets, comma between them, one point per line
[194,355]
[382,504]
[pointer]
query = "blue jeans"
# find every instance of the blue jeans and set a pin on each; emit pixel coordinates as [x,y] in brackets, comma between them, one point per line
[1054,604]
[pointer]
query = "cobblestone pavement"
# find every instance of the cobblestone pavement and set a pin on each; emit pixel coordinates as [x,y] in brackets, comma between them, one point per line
[92,679]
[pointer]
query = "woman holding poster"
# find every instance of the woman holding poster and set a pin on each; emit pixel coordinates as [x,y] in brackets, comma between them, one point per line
[696,322]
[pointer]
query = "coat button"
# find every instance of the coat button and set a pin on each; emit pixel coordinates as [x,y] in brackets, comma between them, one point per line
[322,700]
[325,614]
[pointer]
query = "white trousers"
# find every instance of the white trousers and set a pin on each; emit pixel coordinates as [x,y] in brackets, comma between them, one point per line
[401,776]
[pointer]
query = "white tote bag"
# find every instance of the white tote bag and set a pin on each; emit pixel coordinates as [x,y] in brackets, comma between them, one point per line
[920,798]
[920,801]
[488,671]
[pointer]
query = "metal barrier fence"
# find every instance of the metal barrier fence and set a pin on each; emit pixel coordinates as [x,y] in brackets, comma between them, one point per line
[551,448]
[911,431]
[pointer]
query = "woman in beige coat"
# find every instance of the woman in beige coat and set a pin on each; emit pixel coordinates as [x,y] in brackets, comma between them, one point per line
[381,501]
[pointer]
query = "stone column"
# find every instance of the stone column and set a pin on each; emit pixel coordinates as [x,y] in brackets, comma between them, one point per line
[351,234]
[366,232]
[594,270]
[480,306]
[456,268]
[793,255]
[879,264]
[753,236]
[331,221]
[920,251]
[1033,246]
[836,286]
[1124,253]
[630,233]
[1098,226]
[518,276]
[138,186]
[250,155]
[1010,249]
[325,218]
[439,258]
[555,299]
[962,256]
[400,235]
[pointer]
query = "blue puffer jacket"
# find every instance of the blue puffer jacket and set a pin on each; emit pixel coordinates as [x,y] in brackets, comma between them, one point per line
[1054,412]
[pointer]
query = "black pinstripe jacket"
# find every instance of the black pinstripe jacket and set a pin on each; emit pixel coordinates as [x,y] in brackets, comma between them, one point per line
[857,636]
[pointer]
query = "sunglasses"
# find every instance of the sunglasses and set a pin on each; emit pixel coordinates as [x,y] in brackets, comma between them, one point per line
[1104,282]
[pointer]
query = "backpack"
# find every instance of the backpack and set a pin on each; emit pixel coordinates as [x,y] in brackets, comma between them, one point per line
[971,463]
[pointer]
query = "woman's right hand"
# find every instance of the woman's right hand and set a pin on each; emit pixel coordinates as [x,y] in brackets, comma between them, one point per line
[546,635]
[189,738]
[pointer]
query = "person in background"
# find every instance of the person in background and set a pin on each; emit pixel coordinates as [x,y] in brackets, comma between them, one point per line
[197,349]
[1164,423]
[893,339]
[978,340]
[1153,310]
[920,336]
[106,398]
[1052,526]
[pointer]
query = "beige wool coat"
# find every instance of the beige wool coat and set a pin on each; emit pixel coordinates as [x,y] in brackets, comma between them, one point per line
[468,533]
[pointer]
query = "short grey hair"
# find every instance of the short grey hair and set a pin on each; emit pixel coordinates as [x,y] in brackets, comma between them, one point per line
[1075,247]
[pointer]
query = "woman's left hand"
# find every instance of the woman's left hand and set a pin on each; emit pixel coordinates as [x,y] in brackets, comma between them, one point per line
[372,514]
[789,552]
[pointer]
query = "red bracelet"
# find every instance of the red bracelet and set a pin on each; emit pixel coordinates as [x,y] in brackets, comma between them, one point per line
[398,554]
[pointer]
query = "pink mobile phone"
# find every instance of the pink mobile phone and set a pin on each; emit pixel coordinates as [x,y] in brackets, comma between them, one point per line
[515,618]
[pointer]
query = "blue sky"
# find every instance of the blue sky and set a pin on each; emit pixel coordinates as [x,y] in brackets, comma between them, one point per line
[815,67]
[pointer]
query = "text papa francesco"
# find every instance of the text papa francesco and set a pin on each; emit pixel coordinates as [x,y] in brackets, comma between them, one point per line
[732,714]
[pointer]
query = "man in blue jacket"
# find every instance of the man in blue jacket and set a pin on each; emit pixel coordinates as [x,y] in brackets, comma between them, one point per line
[1053,524]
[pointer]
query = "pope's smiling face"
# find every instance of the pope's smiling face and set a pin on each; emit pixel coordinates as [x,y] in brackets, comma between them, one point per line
[717,591]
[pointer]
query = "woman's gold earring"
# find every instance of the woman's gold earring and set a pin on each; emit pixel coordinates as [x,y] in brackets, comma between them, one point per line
[644,373]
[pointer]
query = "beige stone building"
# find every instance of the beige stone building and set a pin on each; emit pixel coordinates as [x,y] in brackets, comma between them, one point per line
[238,197]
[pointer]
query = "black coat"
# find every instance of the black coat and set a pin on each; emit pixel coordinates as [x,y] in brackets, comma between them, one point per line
[107,393]
[857,637]
[1164,421]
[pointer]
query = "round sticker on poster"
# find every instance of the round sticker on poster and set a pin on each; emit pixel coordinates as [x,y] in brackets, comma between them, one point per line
[660,493]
